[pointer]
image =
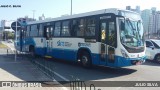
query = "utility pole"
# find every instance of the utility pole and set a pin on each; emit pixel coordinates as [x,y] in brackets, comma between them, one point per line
[33,13]
[71,7]
[16,42]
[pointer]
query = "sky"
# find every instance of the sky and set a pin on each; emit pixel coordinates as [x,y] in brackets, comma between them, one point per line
[56,8]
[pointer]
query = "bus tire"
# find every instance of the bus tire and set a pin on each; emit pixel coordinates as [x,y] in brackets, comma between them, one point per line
[32,51]
[157,58]
[86,60]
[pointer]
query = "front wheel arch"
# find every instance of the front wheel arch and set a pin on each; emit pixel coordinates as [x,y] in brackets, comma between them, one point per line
[84,54]
[157,58]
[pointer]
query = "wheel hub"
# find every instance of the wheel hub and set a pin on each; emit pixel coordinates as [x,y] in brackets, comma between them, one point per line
[84,60]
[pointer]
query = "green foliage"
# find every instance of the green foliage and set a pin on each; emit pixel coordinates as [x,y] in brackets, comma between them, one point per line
[9,35]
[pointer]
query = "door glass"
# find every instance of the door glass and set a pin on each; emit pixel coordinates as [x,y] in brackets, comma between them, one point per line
[112,34]
[111,41]
[47,32]
[103,32]
[103,40]
[51,32]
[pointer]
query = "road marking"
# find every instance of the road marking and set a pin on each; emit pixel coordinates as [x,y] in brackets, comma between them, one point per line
[61,76]
[65,79]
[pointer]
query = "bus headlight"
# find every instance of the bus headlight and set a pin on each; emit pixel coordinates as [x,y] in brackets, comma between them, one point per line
[124,53]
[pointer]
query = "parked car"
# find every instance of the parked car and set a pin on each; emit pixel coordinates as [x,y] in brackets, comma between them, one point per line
[153,49]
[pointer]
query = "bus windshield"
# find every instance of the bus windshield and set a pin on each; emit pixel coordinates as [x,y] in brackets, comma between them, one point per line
[131,34]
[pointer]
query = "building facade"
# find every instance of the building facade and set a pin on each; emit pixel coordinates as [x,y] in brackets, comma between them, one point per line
[137,9]
[145,14]
[151,22]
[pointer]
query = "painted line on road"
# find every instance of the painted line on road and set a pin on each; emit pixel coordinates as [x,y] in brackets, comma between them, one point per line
[65,79]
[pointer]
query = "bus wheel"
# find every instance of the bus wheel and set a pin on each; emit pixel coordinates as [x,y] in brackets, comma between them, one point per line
[32,52]
[157,58]
[86,60]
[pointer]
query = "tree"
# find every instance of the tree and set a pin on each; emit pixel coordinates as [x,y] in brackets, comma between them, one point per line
[8,35]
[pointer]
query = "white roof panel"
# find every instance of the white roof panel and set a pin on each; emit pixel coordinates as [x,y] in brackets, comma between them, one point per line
[112,10]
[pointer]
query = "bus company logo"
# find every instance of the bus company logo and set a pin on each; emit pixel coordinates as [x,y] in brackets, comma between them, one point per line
[64,44]
[84,45]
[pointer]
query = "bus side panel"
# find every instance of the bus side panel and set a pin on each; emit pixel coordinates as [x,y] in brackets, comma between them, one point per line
[65,48]
[29,41]
[95,59]
[40,48]
[40,51]
[65,54]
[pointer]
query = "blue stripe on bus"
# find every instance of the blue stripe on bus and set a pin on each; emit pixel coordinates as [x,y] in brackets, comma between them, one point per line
[40,51]
[64,54]
[68,54]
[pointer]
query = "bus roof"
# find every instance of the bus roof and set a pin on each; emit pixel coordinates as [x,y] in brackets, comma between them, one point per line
[111,10]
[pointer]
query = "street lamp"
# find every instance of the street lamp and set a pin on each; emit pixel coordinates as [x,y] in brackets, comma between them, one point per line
[16,26]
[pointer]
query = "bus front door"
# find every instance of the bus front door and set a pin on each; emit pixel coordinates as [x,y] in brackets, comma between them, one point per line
[108,41]
[103,48]
[48,35]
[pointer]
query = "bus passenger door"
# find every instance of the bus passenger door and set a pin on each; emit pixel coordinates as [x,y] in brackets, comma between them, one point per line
[108,42]
[103,49]
[48,36]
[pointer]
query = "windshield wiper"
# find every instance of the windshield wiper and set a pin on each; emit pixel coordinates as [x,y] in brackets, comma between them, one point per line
[138,23]
[131,24]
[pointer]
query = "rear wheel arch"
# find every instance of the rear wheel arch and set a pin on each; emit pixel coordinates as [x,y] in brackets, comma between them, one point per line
[31,48]
[32,51]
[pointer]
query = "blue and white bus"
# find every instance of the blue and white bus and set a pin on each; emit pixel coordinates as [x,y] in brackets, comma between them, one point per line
[109,37]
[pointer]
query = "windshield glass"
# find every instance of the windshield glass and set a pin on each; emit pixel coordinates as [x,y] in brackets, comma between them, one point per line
[157,42]
[131,34]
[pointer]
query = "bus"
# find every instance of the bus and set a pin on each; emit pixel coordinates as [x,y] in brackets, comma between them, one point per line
[108,37]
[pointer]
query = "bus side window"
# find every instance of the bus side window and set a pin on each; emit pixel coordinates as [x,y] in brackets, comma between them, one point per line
[80,31]
[28,30]
[65,28]
[57,29]
[90,31]
[34,31]
[74,27]
[40,30]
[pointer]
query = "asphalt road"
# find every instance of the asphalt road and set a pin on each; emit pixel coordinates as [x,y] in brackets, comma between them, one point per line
[149,71]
